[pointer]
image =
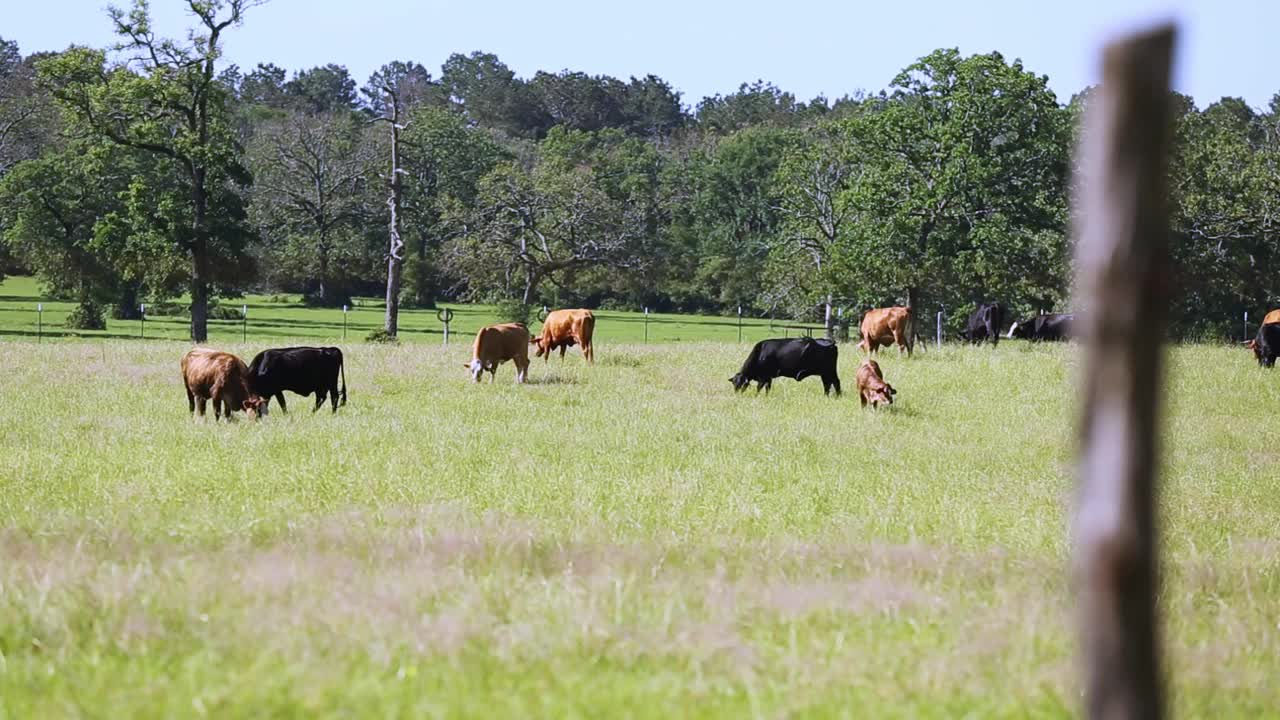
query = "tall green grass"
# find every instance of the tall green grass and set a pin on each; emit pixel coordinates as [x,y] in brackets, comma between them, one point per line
[626,540]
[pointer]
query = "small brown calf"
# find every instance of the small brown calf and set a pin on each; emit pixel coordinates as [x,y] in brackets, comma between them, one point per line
[872,387]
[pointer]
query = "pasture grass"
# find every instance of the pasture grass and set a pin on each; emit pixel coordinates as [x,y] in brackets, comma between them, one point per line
[627,540]
[274,317]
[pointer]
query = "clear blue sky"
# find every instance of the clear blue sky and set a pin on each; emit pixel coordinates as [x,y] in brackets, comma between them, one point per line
[703,47]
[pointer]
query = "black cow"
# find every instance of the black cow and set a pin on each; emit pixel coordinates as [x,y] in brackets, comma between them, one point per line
[985,323]
[1054,326]
[301,370]
[789,357]
[1266,346]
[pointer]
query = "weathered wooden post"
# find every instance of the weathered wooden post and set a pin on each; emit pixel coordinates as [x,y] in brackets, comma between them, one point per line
[244,323]
[344,322]
[939,329]
[646,325]
[39,323]
[1123,291]
[445,315]
[739,323]
[1246,326]
[142,321]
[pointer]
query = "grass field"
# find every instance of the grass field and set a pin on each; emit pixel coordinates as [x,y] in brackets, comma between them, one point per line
[628,540]
[283,316]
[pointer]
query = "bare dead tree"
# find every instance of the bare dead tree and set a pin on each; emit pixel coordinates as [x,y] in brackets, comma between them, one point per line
[1123,286]
[386,83]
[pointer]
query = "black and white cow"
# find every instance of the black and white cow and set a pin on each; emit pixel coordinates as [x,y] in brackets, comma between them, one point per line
[301,370]
[796,358]
[1054,326]
[985,323]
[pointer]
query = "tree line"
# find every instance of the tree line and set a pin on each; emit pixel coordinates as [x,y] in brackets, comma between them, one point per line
[153,170]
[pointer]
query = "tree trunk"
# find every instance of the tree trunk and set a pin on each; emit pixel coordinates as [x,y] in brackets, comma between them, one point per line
[395,255]
[913,303]
[199,259]
[324,268]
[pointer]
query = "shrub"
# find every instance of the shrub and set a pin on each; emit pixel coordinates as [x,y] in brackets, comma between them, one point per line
[88,315]
[513,311]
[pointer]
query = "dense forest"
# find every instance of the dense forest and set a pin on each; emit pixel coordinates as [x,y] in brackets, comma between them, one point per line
[154,170]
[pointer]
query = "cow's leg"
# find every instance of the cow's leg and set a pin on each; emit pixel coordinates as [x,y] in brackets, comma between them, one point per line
[829,382]
[562,349]
[862,396]
[217,407]
[280,399]
[191,399]
[319,400]
[201,404]
[333,394]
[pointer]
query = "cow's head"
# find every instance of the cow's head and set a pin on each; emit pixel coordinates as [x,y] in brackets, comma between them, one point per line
[254,407]
[1021,330]
[739,381]
[475,367]
[881,396]
[536,342]
[1256,348]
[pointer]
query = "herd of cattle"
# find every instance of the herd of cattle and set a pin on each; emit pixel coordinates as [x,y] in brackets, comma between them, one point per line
[233,386]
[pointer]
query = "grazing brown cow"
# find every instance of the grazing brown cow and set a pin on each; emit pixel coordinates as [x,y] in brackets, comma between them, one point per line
[886,326]
[224,378]
[871,385]
[564,328]
[1272,317]
[497,344]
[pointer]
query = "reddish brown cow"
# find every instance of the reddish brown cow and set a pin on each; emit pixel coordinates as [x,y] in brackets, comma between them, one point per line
[887,326]
[564,328]
[497,344]
[1272,317]
[871,385]
[222,377]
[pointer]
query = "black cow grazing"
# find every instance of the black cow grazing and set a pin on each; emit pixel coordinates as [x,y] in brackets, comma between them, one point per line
[789,357]
[1266,346]
[985,323]
[1054,326]
[301,370]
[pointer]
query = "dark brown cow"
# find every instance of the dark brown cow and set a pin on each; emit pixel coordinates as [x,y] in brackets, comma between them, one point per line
[871,385]
[564,328]
[222,377]
[497,344]
[888,326]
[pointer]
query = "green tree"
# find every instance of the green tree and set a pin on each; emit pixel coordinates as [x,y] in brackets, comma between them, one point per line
[173,106]
[444,160]
[49,208]
[960,192]
[327,89]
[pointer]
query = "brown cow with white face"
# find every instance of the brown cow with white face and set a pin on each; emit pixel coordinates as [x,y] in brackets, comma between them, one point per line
[888,326]
[222,377]
[871,385]
[497,344]
[564,328]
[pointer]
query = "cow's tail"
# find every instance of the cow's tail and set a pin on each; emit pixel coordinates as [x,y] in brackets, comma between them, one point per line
[342,368]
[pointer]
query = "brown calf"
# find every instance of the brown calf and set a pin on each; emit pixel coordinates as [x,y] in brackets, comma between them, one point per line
[564,328]
[871,385]
[887,326]
[497,344]
[222,377]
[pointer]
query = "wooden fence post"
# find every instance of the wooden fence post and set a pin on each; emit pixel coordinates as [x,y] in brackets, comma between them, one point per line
[1123,290]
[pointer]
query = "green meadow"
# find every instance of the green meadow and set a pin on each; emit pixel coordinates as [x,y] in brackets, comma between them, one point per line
[625,540]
